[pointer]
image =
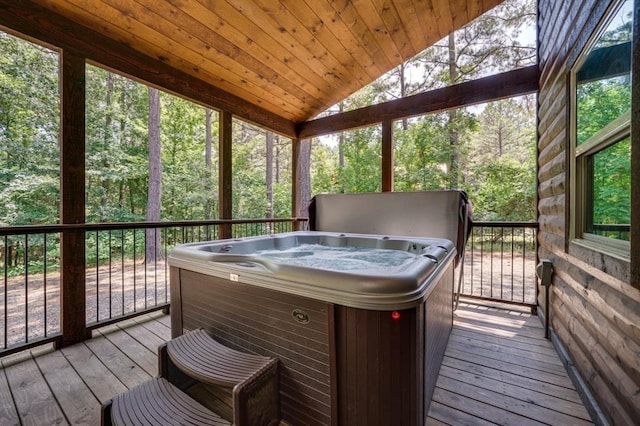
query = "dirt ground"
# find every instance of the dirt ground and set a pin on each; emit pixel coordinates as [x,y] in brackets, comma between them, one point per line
[111,291]
[510,278]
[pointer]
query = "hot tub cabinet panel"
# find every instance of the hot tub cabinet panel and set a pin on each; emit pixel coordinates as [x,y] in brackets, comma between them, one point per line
[387,368]
[438,322]
[379,366]
[259,320]
[371,360]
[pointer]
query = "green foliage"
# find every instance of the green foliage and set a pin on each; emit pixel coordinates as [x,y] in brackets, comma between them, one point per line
[422,153]
[116,148]
[600,102]
[324,168]
[184,173]
[249,174]
[504,190]
[500,177]
[612,184]
[29,126]
[362,154]
[249,182]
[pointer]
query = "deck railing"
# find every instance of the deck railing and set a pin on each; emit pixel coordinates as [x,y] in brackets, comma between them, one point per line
[30,294]
[500,261]
[122,281]
[126,277]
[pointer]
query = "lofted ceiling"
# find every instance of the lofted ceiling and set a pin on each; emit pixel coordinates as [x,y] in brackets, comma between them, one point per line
[292,58]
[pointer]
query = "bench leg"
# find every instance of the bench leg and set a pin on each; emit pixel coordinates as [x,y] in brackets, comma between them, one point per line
[256,401]
[170,372]
[105,414]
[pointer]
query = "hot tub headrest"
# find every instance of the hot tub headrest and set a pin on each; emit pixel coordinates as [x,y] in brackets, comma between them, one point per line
[436,214]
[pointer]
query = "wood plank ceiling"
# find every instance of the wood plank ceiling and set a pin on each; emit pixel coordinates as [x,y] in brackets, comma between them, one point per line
[293,58]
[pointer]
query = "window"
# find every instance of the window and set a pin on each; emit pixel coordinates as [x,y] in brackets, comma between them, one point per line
[602,142]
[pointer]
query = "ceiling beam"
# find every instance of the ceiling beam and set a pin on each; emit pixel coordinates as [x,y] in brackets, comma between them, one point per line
[492,88]
[34,21]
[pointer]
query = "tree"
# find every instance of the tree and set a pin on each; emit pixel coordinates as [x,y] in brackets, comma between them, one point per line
[153,244]
[505,190]
[29,128]
[422,155]
[324,167]
[208,175]
[187,181]
[436,151]
[117,148]
[269,174]
[304,174]
[505,128]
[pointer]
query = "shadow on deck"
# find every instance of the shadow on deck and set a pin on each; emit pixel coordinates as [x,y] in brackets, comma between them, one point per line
[498,368]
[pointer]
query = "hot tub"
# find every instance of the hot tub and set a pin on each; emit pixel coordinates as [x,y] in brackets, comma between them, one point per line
[359,322]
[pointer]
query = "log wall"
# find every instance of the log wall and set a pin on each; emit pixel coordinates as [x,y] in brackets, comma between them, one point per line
[595,308]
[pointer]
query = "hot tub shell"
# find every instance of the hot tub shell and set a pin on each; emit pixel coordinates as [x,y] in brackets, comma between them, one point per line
[356,348]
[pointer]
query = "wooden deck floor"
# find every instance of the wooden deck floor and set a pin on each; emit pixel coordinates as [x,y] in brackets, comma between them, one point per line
[498,369]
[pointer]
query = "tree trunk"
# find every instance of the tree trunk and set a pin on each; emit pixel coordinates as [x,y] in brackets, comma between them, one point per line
[269,176]
[276,172]
[304,176]
[403,93]
[153,250]
[121,195]
[341,153]
[108,120]
[454,137]
[208,206]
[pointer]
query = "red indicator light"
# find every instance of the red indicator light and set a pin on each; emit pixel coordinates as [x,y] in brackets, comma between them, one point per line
[395,315]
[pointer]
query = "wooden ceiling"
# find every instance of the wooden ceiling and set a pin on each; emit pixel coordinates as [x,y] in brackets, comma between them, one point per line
[292,58]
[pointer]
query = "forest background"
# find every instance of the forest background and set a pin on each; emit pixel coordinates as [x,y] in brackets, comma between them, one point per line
[151,155]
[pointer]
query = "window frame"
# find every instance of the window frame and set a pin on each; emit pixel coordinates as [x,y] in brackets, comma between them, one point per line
[581,155]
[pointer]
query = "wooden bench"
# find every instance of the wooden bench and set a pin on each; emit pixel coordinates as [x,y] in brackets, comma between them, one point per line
[195,357]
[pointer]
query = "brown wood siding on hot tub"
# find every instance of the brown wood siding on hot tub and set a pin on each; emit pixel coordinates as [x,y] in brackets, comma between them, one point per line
[346,366]
[387,368]
[258,320]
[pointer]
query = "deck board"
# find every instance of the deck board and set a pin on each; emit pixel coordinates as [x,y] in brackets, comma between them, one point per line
[161,328]
[122,371]
[140,354]
[498,368]
[74,397]
[95,375]
[8,413]
[34,401]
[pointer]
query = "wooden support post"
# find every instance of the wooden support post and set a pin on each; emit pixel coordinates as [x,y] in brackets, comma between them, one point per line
[225,183]
[72,190]
[387,156]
